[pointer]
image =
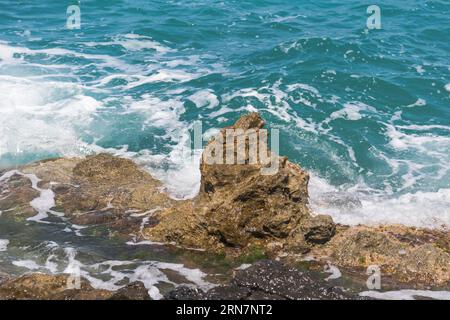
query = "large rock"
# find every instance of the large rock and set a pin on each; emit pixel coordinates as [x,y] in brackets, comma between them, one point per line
[98,190]
[239,206]
[404,253]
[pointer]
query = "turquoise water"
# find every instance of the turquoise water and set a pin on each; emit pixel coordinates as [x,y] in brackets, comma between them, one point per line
[365,111]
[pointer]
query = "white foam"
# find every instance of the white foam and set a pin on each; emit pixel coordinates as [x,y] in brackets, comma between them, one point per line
[420,70]
[28,264]
[360,205]
[351,111]
[243,266]
[148,272]
[45,119]
[133,42]
[334,272]
[419,103]
[407,294]
[204,99]
[447,87]
[43,203]
[4,244]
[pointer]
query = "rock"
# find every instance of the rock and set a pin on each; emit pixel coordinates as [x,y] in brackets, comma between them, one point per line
[239,207]
[401,252]
[98,190]
[185,293]
[39,286]
[104,181]
[319,229]
[16,193]
[269,280]
[133,291]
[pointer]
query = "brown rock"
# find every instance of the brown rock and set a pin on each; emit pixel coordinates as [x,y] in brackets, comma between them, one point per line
[133,291]
[16,193]
[100,189]
[39,286]
[319,229]
[238,206]
[390,248]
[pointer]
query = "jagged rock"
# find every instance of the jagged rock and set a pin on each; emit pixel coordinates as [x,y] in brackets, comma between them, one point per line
[319,229]
[238,206]
[39,286]
[408,254]
[269,280]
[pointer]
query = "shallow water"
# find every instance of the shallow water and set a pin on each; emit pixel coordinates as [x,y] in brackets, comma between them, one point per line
[366,112]
[108,263]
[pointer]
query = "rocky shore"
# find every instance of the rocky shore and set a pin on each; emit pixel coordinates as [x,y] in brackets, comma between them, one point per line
[238,212]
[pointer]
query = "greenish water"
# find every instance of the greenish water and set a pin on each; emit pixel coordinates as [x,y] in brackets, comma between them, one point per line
[366,112]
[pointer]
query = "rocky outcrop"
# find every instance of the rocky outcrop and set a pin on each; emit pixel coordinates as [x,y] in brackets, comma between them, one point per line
[98,190]
[238,206]
[404,253]
[267,280]
[238,210]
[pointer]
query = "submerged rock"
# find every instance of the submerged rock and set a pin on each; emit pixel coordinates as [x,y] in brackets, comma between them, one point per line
[238,206]
[39,286]
[268,280]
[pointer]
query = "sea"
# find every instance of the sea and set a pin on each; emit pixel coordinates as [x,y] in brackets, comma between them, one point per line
[359,91]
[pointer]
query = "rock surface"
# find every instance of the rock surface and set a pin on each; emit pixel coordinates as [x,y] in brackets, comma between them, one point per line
[39,286]
[408,254]
[98,190]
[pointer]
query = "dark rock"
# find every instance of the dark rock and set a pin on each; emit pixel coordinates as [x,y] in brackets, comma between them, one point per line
[231,292]
[319,229]
[133,291]
[185,293]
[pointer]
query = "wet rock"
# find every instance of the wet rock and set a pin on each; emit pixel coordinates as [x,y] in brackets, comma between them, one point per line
[98,190]
[16,193]
[401,252]
[269,280]
[133,291]
[238,206]
[103,181]
[39,286]
[185,293]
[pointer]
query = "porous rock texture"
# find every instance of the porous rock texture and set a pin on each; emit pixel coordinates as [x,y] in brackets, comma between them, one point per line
[240,207]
